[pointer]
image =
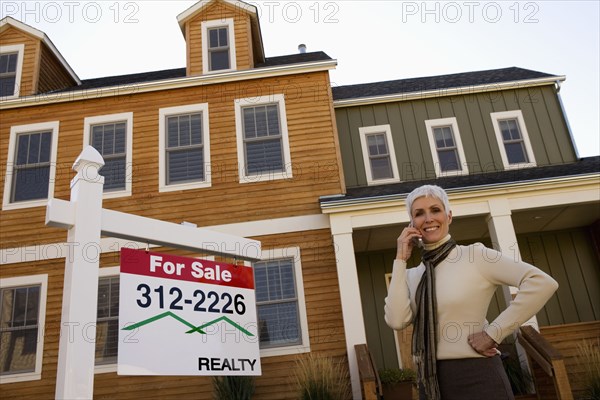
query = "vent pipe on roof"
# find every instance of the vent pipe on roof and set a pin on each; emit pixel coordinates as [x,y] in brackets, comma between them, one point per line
[302,48]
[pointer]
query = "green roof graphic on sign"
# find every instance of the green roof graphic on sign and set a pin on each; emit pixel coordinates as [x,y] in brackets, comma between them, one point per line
[192,327]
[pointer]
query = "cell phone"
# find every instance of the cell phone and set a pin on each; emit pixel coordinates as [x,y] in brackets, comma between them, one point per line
[416,241]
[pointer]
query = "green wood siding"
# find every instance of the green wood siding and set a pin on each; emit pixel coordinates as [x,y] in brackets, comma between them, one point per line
[570,258]
[372,268]
[545,123]
[566,255]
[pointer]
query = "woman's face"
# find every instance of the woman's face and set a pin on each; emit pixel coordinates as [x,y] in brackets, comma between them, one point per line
[430,217]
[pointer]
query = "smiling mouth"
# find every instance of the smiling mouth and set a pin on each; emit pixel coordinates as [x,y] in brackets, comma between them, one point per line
[431,229]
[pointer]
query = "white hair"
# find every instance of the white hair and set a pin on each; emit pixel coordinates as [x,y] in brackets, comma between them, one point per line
[428,191]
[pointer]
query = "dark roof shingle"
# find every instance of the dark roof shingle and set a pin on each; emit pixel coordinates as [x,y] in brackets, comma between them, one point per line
[153,76]
[411,85]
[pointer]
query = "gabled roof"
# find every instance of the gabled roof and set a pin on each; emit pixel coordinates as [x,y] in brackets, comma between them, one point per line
[432,83]
[239,5]
[584,166]
[9,21]
[153,76]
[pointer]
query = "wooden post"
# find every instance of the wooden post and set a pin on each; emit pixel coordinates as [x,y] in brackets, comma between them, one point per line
[369,379]
[75,374]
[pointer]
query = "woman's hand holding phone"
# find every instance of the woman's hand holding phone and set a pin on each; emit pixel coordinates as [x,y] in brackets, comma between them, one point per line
[417,241]
[408,239]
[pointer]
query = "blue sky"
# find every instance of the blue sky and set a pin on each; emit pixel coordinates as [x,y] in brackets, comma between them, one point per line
[371,40]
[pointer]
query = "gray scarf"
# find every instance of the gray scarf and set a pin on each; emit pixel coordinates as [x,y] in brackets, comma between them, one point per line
[424,339]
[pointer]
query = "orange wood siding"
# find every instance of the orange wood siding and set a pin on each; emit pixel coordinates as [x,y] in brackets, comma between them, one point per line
[52,75]
[29,73]
[219,11]
[325,327]
[311,135]
[566,339]
[248,43]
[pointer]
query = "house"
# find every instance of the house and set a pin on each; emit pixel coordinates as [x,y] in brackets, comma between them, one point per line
[263,147]
[500,143]
[235,142]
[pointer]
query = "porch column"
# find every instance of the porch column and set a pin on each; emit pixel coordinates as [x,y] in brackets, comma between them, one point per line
[503,235]
[504,239]
[354,326]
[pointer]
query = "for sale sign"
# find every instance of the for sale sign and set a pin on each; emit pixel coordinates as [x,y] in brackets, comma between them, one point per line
[186,316]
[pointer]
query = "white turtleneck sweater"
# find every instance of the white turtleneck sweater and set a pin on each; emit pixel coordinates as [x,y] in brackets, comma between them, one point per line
[465,283]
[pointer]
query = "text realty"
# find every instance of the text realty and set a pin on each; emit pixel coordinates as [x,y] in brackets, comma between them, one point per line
[225,364]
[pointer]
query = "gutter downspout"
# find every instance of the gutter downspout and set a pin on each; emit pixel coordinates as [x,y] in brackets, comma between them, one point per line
[564,113]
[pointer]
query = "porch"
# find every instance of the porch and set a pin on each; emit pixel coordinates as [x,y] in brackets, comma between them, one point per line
[555,359]
[545,224]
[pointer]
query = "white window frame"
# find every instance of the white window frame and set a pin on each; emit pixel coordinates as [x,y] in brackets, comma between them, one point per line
[162,138]
[518,115]
[278,99]
[12,143]
[294,253]
[105,119]
[21,281]
[205,26]
[387,130]
[20,49]
[441,122]
[105,273]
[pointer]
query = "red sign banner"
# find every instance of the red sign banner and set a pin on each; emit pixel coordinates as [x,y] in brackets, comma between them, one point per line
[168,266]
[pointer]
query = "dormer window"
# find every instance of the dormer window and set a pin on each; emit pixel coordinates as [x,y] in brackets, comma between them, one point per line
[8,73]
[11,60]
[218,46]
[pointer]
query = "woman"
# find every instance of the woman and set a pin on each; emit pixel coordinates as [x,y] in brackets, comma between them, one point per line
[446,298]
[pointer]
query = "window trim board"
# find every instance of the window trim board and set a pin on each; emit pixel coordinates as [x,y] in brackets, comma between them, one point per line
[162,134]
[105,273]
[430,124]
[20,49]
[278,99]
[387,130]
[518,115]
[205,26]
[294,253]
[15,131]
[29,280]
[105,119]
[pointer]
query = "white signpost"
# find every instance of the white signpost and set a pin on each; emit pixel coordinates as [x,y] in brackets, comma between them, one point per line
[185,316]
[86,221]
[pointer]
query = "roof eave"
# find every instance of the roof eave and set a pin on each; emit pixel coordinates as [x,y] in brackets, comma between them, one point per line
[343,205]
[442,92]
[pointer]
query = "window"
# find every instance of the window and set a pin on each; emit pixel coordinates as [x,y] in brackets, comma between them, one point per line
[22,317]
[31,165]
[112,135]
[282,322]
[262,134]
[513,139]
[218,46]
[446,147]
[107,324]
[184,148]
[378,154]
[11,62]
